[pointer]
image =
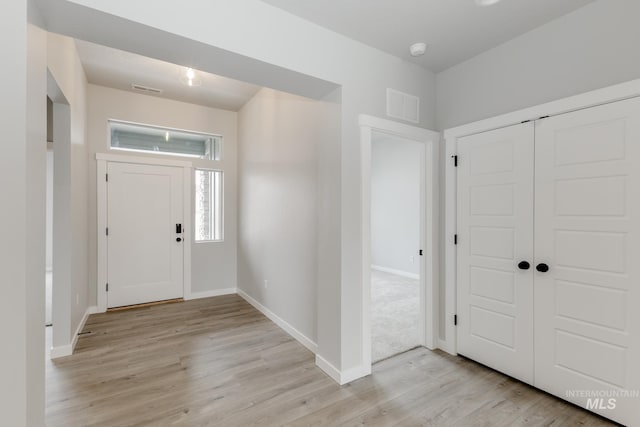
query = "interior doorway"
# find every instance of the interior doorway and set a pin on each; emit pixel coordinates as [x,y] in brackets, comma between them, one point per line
[418,274]
[58,222]
[397,168]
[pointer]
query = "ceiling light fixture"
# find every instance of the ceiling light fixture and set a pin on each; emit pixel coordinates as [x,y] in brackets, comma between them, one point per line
[166,136]
[486,2]
[418,49]
[190,79]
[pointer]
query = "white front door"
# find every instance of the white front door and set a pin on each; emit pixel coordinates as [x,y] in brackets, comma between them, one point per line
[587,306]
[145,258]
[495,235]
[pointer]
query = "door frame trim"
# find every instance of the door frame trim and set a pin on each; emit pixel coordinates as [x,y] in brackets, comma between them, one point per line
[594,98]
[429,225]
[101,196]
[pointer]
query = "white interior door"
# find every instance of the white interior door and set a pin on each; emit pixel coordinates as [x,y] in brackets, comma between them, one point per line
[145,258]
[495,234]
[587,306]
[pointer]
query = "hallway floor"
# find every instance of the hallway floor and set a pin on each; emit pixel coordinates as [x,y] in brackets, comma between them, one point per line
[219,362]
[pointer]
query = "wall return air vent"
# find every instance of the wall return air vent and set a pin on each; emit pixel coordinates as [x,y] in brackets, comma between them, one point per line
[147,89]
[403,106]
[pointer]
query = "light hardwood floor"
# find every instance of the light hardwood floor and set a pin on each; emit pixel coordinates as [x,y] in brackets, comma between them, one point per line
[219,362]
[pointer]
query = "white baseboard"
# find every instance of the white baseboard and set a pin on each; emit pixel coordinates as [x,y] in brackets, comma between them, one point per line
[212,293]
[354,374]
[342,377]
[67,349]
[396,272]
[312,346]
[328,368]
[60,351]
[447,346]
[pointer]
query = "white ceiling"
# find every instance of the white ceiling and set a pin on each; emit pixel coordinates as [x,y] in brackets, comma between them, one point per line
[117,69]
[455,30]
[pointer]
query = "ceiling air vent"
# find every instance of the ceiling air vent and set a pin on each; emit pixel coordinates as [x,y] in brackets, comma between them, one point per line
[403,106]
[147,89]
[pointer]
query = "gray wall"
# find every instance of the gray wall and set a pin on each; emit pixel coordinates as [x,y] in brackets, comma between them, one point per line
[593,47]
[395,203]
[22,197]
[65,67]
[278,205]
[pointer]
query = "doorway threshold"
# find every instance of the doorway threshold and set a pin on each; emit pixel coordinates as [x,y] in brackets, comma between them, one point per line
[146,304]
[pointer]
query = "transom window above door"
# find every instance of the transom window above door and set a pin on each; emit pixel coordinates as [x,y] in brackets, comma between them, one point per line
[152,139]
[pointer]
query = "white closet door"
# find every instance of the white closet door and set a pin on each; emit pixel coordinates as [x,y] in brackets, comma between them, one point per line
[587,226]
[145,258]
[495,234]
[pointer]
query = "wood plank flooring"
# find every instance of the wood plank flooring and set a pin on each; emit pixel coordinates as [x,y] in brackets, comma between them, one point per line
[219,362]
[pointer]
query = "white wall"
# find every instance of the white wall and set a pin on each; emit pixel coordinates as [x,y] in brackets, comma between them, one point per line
[65,67]
[262,44]
[49,213]
[590,48]
[22,197]
[395,203]
[278,205]
[213,264]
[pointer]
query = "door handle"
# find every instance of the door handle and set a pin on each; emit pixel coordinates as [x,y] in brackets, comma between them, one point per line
[524,265]
[542,267]
[178,228]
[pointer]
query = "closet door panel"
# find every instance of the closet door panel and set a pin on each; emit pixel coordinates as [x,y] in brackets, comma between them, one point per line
[495,233]
[587,217]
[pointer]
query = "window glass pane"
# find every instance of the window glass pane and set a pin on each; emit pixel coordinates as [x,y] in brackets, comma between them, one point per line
[132,137]
[208,209]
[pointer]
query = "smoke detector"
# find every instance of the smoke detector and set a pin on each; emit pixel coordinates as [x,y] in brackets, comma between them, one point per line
[486,2]
[418,49]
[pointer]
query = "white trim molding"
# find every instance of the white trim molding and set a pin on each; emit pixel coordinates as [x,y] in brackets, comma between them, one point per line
[342,377]
[594,98]
[329,369]
[67,350]
[284,325]
[103,160]
[429,232]
[396,272]
[212,293]
[124,158]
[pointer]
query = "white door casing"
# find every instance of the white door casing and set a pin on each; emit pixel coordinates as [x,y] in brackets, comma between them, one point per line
[587,226]
[428,239]
[145,260]
[495,234]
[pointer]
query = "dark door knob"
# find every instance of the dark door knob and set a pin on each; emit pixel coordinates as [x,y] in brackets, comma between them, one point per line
[179,239]
[524,265]
[542,267]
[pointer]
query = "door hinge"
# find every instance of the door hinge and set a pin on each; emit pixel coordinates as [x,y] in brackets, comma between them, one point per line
[107,231]
[455,239]
[106,177]
[455,320]
[107,287]
[455,160]
[420,252]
